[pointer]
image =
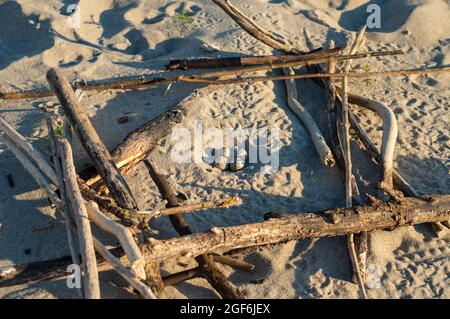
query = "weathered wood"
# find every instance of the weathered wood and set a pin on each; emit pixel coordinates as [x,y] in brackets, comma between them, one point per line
[90,140]
[144,81]
[322,149]
[130,277]
[179,277]
[206,265]
[205,63]
[344,137]
[233,262]
[70,224]
[76,203]
[336,222]
[187,208]
[123,234]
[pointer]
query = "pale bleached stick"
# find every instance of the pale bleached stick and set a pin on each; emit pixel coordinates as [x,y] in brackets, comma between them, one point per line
[345,139]
[27,147]
[325,154]
[123,271]
[389,139]
[123,234]
[34,172]
[69,222]
[345,145]
[76,202]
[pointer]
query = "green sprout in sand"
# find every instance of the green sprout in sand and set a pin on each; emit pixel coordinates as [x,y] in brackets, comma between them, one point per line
[367,80]
[58,130]
[183,16]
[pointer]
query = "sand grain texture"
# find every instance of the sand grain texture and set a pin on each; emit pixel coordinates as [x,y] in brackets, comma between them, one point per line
[124,38]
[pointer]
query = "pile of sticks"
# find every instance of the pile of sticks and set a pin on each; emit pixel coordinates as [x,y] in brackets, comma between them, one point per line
[107,201]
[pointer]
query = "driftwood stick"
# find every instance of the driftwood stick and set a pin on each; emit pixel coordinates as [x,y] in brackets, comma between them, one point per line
[96,182]
[390,132]
[336,222]
[206,63]
[206,265]
[90,272]
[69,219]
[49,270]
[179,277]
[233,262]
[37,175]
[144,81]
[188,208]
[29,149]
[399,182]
[90,140]
[356,267]
[349,178]
[108,204]
[324,152]
[315,75]
[129,276]
[292,227]
[123,234]
[334,107]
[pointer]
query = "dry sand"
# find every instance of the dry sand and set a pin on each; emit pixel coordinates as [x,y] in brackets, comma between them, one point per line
[136,37]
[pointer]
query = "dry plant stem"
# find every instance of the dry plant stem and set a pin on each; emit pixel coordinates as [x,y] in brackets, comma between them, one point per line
[186,208]
[313,76]
[34,172]
[144,290]
[324,152]
[206,63]
[69,220]
[206,265]
[150,81]
[336,222]
[90,140]
[76,202]
[27,147]
[349,178]
[123,234]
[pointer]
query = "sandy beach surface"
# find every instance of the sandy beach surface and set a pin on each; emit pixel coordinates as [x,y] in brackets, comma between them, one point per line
[133,37]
